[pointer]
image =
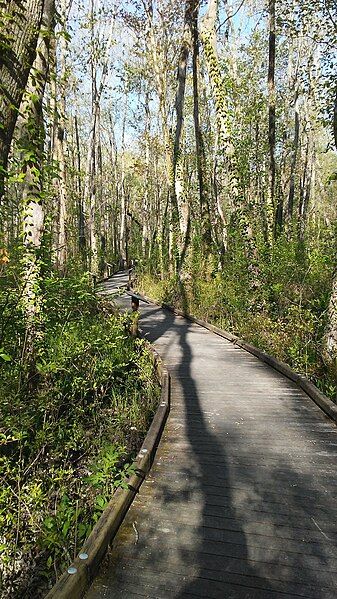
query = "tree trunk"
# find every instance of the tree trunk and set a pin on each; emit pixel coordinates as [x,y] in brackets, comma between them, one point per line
[59,86]
[291,195]
[331,332]
[123,197]
[225,169]
[89,192]
[146,197]
[160,79]
[31,143]
[20,25]
[271,208]
[335,118]
[178,187]
[81,213]
[199,143]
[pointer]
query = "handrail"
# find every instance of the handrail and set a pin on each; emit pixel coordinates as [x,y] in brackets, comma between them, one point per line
[323,402]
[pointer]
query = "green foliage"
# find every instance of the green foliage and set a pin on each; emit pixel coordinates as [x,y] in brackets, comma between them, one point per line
[69,430]
[278,303]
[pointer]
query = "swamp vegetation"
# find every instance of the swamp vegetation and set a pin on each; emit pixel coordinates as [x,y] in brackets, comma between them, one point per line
[70,428]
[198,141]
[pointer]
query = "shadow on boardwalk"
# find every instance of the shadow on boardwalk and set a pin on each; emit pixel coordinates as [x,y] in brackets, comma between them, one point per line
[281,559]
[213,577]
[228,512]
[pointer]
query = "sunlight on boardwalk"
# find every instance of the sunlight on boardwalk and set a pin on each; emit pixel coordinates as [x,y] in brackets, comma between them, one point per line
[240,502]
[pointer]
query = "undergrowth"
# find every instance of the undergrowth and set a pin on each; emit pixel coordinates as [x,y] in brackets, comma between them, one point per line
[278,302]
[69,431]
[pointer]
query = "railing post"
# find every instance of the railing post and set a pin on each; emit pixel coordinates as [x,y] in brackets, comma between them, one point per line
[129,286]
[134,316]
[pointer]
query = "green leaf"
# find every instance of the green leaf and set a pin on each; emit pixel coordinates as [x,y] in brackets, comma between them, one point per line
[65,527]
[4,356]
[49,522]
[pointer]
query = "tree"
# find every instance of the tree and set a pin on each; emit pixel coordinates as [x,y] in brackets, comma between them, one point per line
[226,190]
[31,144]
[19,26]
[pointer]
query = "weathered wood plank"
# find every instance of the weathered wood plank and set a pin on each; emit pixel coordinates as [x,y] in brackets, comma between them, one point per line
[241,501]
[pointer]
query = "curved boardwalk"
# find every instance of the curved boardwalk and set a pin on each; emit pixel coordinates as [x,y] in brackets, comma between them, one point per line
[241,501]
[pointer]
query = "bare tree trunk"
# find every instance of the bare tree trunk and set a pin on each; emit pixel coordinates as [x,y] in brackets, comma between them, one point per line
[160,77]
[115,189]
[178,187]
[331,331]
[81,213]
[59,92]
[335,118]
[89,192]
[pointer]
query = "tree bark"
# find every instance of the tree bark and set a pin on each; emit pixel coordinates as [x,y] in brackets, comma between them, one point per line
[20,25]
[335,118]
[146,197]
[199,142]
[271,208]
[31,143]
[123,245]
[291,195]
[225,181]
[59,93]
[178,187]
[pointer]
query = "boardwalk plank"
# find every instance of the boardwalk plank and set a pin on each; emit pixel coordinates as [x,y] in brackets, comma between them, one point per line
[241,500]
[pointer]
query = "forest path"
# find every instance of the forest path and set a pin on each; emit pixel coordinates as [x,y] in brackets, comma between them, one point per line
[241,499]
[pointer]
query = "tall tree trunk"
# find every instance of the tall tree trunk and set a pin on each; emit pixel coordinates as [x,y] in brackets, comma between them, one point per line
[115,188]
[225,169]
[31,143]
[20,25]
[331,331]
[59,89]
[81,210]
[178,187]
[335,118]
[291,195]
[272,208]
[146,197]
[199,142]
[123,209]
[160,78]
[89,192]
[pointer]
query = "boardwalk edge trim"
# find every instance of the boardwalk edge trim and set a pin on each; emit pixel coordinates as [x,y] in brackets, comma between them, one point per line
[91,554]
[323,402]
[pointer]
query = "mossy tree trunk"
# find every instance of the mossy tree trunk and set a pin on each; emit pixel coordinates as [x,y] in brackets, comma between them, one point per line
[271,220]
[204,203]
[59,141]
[19,27]
[31,144]
[225,176]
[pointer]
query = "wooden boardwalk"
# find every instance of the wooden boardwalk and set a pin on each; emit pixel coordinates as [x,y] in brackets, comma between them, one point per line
[241,502]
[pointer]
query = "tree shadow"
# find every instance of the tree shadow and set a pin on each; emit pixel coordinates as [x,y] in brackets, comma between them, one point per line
[261,527]
[217,554]
[240,500]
